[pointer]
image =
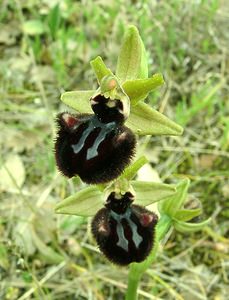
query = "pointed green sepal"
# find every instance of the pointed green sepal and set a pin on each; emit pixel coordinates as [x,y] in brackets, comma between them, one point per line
[151,192]
[144,120]
[132,170]
[131,61]
[144,63]
[139,89]
[78,100]
[189,227]
[84,203]
[187,214]
[100,68]
[173,204]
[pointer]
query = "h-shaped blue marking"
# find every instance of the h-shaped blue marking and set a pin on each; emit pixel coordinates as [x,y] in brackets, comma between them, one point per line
[122,240]
[105,128]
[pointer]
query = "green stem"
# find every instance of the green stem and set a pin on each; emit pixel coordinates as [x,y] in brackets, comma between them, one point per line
[137,269]
[132,287]
[132,170]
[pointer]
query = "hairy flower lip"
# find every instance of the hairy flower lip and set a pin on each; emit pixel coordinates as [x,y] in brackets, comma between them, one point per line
[101,133]
[98,152]
[124,231]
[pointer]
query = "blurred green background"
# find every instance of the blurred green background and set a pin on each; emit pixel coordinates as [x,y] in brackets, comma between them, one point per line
[45,49]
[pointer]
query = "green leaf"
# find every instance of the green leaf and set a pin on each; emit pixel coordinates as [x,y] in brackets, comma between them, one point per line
[130,57]
[190,227]
[144,120]
[84,203]
[78,100]
[139,89]
[33,27]
[173,204]
[50,255]
[100,68]
[4,261]
[151,192]
[132,170]
[187,214]
[54,19]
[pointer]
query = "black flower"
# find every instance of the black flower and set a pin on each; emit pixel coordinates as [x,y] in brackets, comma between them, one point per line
[97,147]
[124,231]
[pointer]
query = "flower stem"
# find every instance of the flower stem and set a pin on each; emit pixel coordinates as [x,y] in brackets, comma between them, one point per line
[137,269]
[132,286]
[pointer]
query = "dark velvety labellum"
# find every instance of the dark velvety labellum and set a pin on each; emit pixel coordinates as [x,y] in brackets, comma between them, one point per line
[124,231]
[107,110]
[97,152]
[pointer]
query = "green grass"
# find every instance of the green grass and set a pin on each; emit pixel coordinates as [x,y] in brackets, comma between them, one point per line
[45,49]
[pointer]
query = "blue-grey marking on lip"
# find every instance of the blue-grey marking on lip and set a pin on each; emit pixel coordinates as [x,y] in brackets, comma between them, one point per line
[77,147]
[137,239]
[122,240]
[105,128]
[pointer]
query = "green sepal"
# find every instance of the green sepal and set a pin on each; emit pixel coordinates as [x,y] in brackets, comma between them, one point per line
[138,89]
[84,203]
[78,100]
[187,214]
[151,192]
[173,204]
[144,120]
[189,227]
[130,64]
[132,170]
[100,68]
[144,62]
